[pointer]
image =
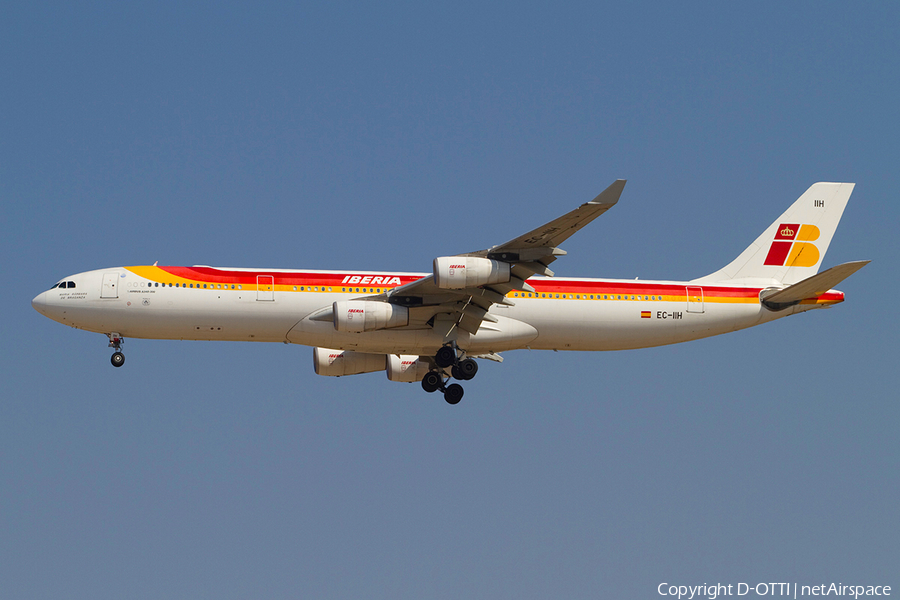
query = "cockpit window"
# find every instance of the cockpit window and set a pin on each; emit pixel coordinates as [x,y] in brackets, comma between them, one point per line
[70,284]
[62,285]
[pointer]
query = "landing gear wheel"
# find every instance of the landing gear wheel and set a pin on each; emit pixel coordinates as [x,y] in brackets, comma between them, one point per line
[457,373]
[453,393]
[432,381]
[117,359]
[445,357]
[468,368]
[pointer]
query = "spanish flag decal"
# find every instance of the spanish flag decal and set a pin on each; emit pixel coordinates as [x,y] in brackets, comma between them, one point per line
[645,314]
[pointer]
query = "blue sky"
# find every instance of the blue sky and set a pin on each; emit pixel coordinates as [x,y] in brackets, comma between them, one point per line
[378,136]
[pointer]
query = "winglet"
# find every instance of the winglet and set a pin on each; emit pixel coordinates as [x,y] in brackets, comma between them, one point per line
[610,195]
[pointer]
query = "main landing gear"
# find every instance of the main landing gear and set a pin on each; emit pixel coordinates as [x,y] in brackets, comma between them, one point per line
[448,356]
[116,341]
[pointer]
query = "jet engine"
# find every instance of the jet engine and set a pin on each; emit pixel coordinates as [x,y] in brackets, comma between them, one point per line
[355,316]
[335,363]
[406,368]
[459,272]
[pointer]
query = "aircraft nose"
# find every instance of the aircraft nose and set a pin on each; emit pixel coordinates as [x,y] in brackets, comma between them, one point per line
[40,303]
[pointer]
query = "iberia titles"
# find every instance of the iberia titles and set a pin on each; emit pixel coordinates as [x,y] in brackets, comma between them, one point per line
[371,280]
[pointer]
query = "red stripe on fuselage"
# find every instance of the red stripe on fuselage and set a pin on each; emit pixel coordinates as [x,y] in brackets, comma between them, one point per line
[213,275]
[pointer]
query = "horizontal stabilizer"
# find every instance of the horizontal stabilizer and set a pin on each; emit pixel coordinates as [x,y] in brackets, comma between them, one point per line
[812,287]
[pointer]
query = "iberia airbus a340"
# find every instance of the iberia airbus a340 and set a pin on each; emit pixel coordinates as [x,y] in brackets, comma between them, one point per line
[430,327]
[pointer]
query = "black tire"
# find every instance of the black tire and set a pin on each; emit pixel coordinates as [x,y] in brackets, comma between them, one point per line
[117,359]
[432,381]
[453,394]
[468,368]
[457,373]
[445,357]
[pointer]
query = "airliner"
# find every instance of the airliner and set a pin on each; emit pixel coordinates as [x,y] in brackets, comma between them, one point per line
[433,327]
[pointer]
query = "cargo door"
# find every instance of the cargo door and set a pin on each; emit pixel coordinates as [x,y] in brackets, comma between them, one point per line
[110,287]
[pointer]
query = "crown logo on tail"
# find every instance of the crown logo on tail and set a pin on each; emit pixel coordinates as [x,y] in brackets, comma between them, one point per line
[793,246]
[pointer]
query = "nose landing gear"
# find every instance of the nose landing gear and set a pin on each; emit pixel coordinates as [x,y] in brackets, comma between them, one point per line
[116,341]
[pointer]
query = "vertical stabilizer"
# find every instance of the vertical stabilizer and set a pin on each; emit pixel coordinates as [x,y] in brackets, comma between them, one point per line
[792,248]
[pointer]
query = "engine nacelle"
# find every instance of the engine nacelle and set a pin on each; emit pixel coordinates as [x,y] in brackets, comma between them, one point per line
[459,272]
[335,363]
[406,368]
[355,316]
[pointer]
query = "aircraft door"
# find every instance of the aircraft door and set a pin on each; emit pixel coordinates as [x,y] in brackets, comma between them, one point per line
[265,288]
[694,299]
[110,287]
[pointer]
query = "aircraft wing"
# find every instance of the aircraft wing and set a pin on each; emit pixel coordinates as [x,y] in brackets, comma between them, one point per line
[540,245]
[527,255]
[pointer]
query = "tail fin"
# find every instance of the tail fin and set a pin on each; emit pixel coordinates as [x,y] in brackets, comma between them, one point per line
[792,248]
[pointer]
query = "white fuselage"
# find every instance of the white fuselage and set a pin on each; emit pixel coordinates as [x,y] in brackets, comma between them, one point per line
[202,303]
